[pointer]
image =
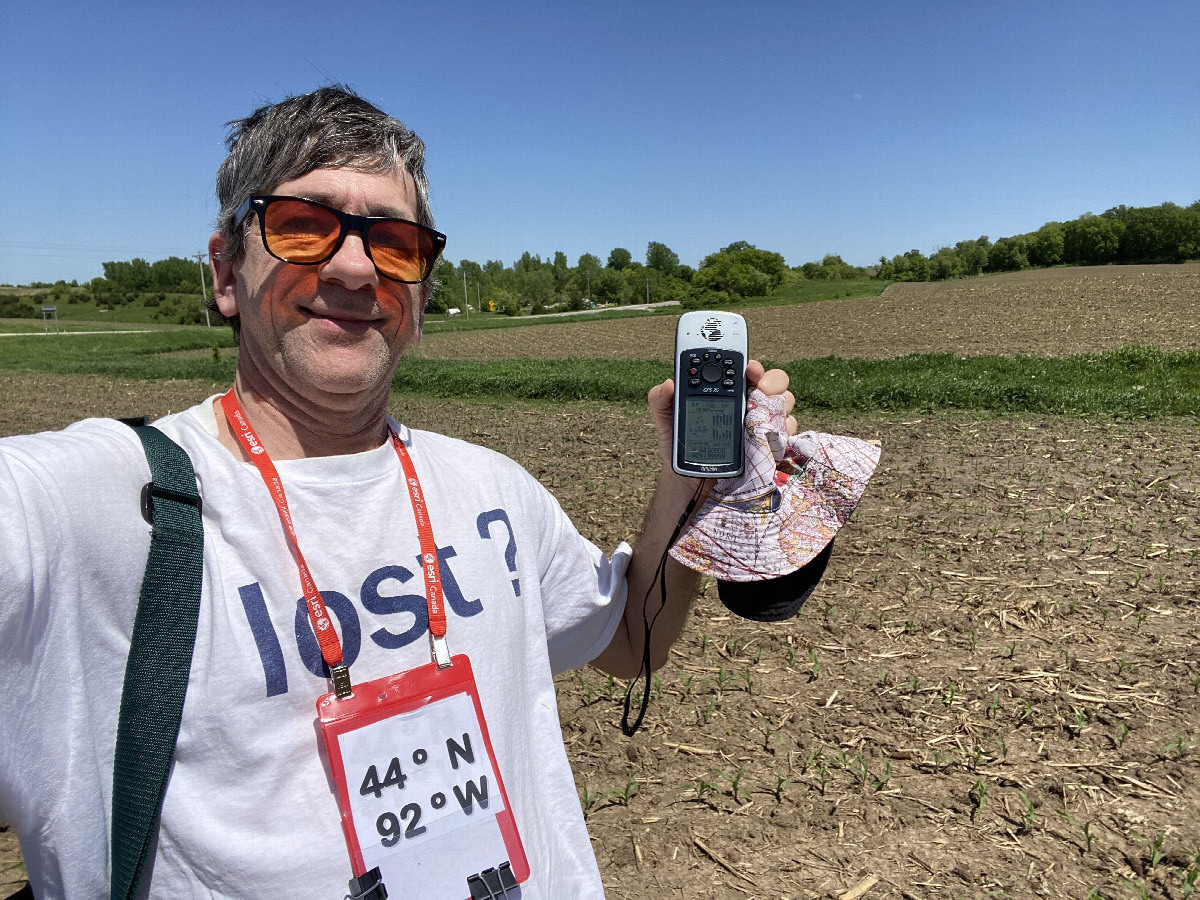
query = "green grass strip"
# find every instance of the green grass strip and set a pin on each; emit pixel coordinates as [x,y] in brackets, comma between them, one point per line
[131,356]
[1132,382]
[531,379]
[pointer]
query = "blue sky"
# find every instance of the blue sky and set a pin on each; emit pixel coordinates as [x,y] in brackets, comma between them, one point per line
[865,129]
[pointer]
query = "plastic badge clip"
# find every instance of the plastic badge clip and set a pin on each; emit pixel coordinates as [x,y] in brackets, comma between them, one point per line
[368,886]
[492,884]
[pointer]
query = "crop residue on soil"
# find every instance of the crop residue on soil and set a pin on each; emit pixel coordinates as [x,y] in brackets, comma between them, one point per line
[995,692]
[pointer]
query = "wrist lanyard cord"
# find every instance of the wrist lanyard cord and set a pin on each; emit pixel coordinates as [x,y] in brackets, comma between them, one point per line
[660,577]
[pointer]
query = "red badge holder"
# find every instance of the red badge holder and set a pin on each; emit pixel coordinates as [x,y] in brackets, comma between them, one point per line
[422,804]
[418,787]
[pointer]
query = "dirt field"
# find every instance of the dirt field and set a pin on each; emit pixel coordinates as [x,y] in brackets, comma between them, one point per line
[1053,312]
[994,693]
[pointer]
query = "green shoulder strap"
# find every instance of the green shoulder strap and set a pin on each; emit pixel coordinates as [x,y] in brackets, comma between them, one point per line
[160,657]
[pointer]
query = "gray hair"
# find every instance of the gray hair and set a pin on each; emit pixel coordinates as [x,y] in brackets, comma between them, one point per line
[331,127]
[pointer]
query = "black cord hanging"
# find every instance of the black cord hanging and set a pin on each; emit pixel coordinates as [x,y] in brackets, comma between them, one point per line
[660,577]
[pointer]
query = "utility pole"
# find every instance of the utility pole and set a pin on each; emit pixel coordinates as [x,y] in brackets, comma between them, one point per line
[466,297]
[199,257]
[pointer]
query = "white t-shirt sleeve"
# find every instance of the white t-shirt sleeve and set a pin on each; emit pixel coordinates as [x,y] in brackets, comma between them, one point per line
[72,549]
[583,590]
[29,537]
[61,494]
[577,635]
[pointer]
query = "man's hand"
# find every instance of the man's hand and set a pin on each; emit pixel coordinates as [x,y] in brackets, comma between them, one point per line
[623,656]
[662,403]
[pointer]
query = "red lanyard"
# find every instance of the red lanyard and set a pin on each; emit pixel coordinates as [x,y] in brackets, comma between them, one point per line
[331,647]
[430,564]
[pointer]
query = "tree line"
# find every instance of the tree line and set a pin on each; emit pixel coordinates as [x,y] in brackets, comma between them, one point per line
[136,276]
[1168,233]
[535,285]
[167,287]
[530,285]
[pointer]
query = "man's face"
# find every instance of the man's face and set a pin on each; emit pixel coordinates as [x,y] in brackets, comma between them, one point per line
[333,328]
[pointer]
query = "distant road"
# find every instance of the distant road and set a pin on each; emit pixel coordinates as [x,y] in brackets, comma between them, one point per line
[611,308]
[579,312]
[64,333]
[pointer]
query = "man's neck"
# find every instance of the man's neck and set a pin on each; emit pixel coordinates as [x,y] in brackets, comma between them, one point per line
[290,427]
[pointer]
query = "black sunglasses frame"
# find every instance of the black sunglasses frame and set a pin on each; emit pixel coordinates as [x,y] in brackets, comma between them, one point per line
[258,203]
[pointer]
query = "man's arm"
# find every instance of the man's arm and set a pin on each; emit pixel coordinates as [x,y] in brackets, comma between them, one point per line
[623,656]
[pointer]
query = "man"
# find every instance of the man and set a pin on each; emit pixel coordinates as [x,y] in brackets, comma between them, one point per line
[324,302]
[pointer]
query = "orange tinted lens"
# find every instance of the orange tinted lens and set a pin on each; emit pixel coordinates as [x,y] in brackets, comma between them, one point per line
[300,232]
[402,250]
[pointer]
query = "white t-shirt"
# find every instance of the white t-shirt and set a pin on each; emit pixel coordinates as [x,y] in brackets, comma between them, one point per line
[249,811]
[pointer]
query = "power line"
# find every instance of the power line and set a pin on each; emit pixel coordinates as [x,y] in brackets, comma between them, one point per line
[200,258]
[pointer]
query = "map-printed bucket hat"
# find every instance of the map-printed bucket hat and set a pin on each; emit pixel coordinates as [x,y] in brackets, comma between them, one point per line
[779,515]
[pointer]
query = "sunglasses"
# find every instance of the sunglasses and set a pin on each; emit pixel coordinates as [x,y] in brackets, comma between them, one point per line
[308,233]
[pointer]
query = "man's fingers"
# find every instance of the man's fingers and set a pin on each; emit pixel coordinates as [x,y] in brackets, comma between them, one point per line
[754,372]
[661,395]
[789,402]
[774,381]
